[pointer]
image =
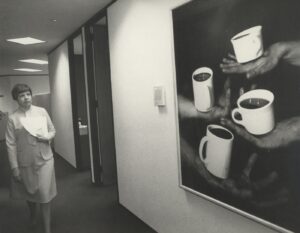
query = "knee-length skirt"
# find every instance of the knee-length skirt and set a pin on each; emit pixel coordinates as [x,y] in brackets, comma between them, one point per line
[38,183]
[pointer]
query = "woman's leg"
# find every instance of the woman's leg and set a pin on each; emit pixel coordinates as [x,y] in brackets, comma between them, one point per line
[33,210]
[46,215]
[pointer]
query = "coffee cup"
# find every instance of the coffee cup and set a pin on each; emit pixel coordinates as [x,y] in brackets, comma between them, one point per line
[203,89]
[256,110]
[217,158]
[248,45]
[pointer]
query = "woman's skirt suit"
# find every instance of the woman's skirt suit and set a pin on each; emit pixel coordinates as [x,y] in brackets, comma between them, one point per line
[33,158]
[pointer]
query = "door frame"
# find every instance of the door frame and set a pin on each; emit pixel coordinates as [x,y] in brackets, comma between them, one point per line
[92,105]
[92,92]
[74,98]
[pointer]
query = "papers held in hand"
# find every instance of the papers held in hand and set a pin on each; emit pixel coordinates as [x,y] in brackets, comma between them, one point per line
[35,125]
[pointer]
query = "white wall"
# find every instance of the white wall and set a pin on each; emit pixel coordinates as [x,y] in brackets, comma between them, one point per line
[141,47]
[38,84]
[61,106]
[5,101]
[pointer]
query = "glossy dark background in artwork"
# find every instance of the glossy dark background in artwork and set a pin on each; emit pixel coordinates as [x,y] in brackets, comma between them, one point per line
[202,38]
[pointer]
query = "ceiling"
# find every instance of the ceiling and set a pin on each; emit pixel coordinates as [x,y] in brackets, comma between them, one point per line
[48,20]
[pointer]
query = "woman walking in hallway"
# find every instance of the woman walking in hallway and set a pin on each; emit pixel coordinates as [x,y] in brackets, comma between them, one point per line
[28,136]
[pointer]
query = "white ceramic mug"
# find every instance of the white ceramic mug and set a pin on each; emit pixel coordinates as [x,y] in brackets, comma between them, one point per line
[256,110]
[219,142]
[203,89]
[248,45]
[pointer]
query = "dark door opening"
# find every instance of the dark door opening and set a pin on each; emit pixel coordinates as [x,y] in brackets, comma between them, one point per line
[101,110]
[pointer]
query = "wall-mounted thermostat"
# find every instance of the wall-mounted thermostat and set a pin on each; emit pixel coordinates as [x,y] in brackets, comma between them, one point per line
[159,96]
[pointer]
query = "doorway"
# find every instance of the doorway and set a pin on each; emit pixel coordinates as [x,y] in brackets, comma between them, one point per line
[79,102]
[100,97]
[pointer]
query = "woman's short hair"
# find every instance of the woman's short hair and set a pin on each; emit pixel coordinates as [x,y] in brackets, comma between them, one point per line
[18,89]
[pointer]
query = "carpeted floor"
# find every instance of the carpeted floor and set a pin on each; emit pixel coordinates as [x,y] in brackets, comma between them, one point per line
[80,206]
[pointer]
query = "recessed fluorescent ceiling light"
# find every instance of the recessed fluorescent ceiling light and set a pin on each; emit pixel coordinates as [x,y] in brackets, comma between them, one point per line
[27,70]
[35,61]
[26,40]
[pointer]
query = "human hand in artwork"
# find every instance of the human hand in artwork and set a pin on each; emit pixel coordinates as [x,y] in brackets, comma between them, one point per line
[187,108]
[265,63]
[256,191]
[288,51]
[284,133]
[243,186]
[16,174]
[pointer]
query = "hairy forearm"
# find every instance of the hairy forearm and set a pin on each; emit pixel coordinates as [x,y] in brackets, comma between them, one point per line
[187,109]
[291,52]
[284,134]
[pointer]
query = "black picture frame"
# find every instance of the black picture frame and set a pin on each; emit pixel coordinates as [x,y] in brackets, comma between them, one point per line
[202,33]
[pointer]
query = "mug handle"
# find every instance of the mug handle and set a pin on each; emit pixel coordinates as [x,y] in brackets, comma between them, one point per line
[202,143]
[235,111]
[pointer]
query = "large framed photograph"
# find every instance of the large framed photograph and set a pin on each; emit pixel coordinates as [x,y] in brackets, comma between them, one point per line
[238,93]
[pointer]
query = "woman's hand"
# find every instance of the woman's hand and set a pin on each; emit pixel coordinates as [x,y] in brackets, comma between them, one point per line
[265,63]
[42,138]
[16,174]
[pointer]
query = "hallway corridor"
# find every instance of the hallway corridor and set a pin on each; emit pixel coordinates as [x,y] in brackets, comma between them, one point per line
[79,207]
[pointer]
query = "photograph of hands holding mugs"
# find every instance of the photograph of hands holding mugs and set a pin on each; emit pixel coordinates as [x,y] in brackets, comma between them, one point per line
[238,92]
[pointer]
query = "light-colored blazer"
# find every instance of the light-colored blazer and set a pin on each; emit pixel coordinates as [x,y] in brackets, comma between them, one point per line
[23,148]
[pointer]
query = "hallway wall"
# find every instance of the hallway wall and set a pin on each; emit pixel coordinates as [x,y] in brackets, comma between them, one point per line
[6,102]
[141,53]
[61,107]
